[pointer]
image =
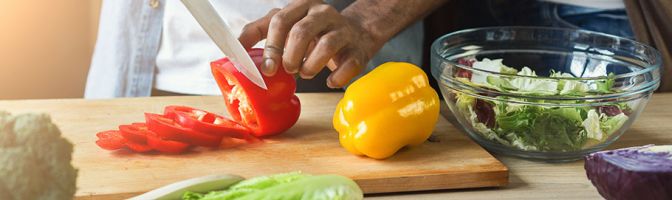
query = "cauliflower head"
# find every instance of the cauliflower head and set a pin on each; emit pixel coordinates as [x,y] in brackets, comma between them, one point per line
[34,159]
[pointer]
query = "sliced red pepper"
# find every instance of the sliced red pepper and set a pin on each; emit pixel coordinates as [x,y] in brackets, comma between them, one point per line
[166,128]
[113,140]
[264,112]
[136,132]
[165,146]
[207,122]
[137,147]
[139,134]
[110,140]
[169,111]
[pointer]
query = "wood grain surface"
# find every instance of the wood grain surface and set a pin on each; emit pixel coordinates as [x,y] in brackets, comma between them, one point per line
[450,161]
[562,181]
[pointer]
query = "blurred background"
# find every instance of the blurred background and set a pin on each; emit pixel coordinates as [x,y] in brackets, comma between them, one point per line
[46,47]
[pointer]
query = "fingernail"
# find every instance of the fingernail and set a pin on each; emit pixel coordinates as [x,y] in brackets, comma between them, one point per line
[331,83]
[305,76]
[269,67]
[291,71]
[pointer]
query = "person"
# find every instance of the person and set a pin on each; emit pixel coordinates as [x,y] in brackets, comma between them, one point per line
[156,47]
[605,16]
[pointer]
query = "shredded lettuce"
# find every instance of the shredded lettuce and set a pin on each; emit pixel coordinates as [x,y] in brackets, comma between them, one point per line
[598,126]
[570,87]
[606,85]
[491,66]
[534,86]
[540,128]
[611,124]
[482,128]
[592,126]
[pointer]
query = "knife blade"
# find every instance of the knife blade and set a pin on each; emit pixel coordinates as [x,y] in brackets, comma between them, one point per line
[220,33]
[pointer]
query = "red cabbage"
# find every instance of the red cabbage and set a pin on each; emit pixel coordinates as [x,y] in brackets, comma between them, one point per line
[632,173]
[485,113]
[609,110]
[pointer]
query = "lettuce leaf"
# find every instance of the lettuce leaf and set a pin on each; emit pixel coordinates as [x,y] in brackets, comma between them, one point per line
[533,86]
[527,85]
[500,84]
[491,66]
[293,185]
[606,85]
[611,124]
[545,129]
[600,126]
[592,126]
[553,131]
[324,187]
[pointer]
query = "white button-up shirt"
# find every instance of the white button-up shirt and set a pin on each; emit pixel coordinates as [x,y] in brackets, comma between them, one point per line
[129,39]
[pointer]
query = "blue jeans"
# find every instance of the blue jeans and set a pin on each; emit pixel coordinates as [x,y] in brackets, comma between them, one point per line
[540,13]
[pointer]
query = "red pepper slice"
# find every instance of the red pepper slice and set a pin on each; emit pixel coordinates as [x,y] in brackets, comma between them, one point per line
[170,111]
[265,112]
[110,140]
[137,147]
[166,128]
[113,140]
[139,134]
[136,132]
[206,122]
[165,146]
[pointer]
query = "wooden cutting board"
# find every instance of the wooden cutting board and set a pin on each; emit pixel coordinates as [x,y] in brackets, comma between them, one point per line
[449,161]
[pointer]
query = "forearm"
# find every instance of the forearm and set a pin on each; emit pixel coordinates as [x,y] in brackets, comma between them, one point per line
[384,19]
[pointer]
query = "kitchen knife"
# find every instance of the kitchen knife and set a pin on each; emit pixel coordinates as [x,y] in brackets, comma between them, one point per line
[220,33]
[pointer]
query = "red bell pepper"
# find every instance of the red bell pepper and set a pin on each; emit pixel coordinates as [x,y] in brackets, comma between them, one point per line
[264,112]
[113,140]
[139,133]
[136,132]
[206,122]
[110,140]
[170,111]
[166,128]
[137,147]
[165,146]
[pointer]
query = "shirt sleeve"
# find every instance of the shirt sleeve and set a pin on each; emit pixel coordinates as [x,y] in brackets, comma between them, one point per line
[124,57]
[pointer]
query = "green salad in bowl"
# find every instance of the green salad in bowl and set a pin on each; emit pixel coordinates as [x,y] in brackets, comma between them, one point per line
[544,93]
[537,127]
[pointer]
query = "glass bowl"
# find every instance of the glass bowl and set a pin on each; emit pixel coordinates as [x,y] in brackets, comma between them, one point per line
[555,95]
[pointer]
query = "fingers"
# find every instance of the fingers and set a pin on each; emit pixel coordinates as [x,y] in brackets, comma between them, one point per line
[325,49]
[278,29]
[306,36]
[350,67]
[256,31]
[318,21]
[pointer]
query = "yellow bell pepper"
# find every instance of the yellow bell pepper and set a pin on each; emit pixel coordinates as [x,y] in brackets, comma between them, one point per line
[390,107]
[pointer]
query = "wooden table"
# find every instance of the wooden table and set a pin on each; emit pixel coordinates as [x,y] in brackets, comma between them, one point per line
[528,179]
[539,180]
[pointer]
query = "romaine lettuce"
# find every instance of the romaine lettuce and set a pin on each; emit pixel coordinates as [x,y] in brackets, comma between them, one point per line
[286,186]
